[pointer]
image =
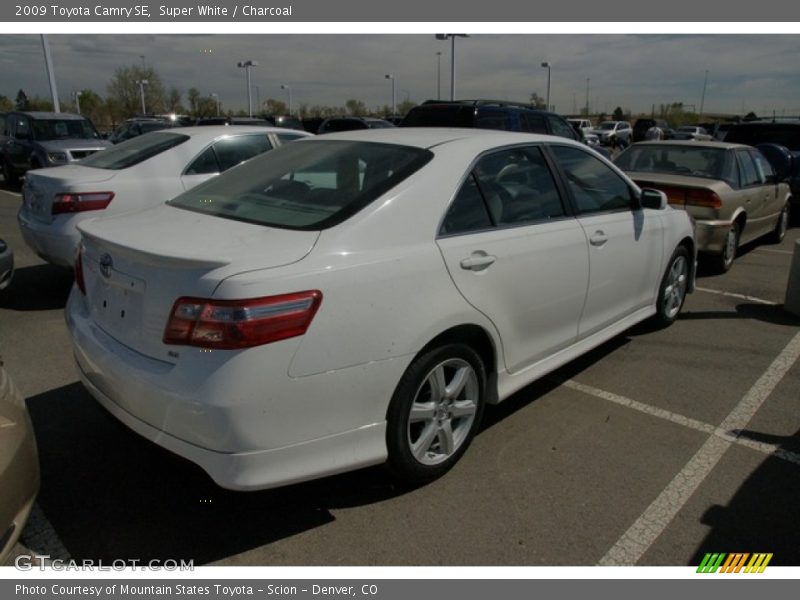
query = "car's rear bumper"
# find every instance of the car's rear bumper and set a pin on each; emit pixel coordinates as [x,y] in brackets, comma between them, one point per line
[710,235]
[241,417]
[55,242]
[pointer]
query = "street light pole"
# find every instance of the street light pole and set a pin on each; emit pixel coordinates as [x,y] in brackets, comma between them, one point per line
[50,75]
[258,99]
[289,91]
[142,83]
[452,37]
[390,76]
[587,97]
[547,64]
[703,97]
[216,97]
[246,65]
[78,101]
[438,75]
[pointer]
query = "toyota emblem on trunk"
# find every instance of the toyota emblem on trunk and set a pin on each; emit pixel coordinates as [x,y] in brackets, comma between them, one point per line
[105,265]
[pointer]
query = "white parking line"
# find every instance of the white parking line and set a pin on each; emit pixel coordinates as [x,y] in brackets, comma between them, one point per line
[773,251]
[655,519]
[732,295]
[679,419]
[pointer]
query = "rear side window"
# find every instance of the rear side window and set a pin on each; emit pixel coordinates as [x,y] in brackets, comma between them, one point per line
[288,137]
[749,173]
[594,185]
[234,150]
[507,188]
[451,115]
[493,119]
[533,123]
[134,151]
[309,186]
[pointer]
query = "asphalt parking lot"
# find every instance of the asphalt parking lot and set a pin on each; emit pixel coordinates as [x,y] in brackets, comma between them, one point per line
[654,449]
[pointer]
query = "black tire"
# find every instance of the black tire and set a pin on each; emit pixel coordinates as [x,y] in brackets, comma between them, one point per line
[777,235]
[9,174]
[672,291]
[724,261]
[420,449]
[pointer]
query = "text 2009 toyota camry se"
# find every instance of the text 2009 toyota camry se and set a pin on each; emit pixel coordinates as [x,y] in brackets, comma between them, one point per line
[359,299]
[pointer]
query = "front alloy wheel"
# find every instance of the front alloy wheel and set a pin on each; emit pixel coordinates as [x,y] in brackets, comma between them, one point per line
[435,412]
[781,226]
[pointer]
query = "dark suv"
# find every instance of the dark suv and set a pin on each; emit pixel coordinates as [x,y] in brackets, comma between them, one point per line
[31,140]
[489,114]
[783,133]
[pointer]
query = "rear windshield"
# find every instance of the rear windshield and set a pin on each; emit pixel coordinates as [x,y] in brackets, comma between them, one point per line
[440,116]
[45,130]
[305,185]
[785,135]
[134,150]
[693,161]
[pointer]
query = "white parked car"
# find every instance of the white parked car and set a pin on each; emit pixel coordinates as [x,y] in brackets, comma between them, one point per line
[692,132]
[360,297]
[135,174]
[609,131]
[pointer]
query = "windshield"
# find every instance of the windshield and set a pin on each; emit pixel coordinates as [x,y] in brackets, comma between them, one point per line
[708,163]
[305,185]
[135,150]
[607,125]
[45,130]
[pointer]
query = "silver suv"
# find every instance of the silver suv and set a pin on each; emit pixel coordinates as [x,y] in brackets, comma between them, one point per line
[610,131]
[32,140]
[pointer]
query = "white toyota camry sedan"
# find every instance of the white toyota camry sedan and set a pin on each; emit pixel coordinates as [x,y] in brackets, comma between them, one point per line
[138,173]
[359,298]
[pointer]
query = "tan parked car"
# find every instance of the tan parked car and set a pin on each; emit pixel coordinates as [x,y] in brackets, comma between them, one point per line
[19,465]
[731,190]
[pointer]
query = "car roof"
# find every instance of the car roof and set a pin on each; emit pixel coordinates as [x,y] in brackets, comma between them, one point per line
[428,137]
[50,115]
[692,144]
[211,132]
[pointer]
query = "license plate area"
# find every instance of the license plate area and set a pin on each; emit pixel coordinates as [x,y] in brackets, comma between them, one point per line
[116,301]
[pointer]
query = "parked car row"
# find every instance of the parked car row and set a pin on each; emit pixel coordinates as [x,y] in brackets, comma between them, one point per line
[295,310]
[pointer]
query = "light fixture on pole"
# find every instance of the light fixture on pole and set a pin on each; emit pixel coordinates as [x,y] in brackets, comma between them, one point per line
[390,76]
[216,97]
[78,101]
[142,83]
[247,65]
[452,37]
[547,66]
[289,91]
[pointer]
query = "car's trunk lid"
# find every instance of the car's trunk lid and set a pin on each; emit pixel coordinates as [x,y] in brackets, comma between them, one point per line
[42,185]
[136,266]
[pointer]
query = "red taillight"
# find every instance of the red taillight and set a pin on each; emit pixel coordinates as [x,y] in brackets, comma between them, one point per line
[231,324]
[701,197]
[79,202]
[79,271]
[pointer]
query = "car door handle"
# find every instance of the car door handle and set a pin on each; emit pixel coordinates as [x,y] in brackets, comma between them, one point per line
[478,261]
[598,239]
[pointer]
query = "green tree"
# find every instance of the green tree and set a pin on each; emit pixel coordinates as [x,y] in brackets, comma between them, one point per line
[22,101]
[174,101]
[6,104]
[618,114]
[405,106]
[125,93]
[275,107]
[194,97]
[537,101]
[356,107]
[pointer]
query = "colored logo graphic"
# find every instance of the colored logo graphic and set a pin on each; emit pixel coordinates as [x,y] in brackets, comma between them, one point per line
[734,563]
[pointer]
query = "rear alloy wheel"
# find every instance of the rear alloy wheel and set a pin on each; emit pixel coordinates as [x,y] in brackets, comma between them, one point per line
[672,292]
[781,226]
[725,259]
[435,412]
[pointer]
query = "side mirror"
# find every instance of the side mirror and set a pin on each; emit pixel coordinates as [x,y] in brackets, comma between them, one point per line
[654,199]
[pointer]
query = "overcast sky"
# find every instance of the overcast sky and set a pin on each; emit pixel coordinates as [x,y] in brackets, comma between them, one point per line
[757,72]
